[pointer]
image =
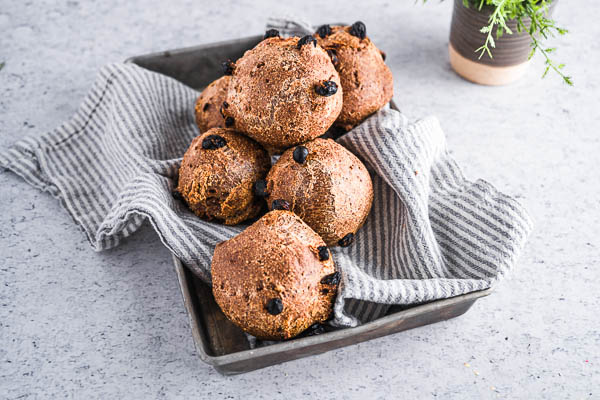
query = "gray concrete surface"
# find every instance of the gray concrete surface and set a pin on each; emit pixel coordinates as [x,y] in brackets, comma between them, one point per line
[79,324]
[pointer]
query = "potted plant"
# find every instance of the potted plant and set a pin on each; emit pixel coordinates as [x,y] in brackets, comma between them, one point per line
[492,41]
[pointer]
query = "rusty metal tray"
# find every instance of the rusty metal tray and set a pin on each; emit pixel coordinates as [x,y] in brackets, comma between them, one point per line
[218,341]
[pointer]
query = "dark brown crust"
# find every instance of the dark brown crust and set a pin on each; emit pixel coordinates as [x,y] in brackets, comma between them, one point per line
[331,191]
[367,82]
[276,257]
[272,94]
[219,184]
[208,105]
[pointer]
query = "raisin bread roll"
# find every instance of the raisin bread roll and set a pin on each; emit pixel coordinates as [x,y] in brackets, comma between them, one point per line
[209,103]
[218,173]
[367,82]
[283,92]
[276,278]
[325,185]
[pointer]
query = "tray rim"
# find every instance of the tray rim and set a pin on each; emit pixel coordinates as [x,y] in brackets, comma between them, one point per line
[181,50]
[300,343]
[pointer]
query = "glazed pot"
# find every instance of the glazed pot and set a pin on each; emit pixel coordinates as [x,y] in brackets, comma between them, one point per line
[509,58]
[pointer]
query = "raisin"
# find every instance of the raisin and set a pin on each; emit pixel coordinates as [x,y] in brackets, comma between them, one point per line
[206,106]
[359,30]
[225,105]
[333,56]
[331,279]
[212,201]
[323,253]
[280,204]
[300,154]
[229,121]
[213,142]
[306,40]
[177,195]
[383,55]
[324,31]
[274,306]
[315,329]
[346,240]
[271,33]
[324,291]
[260,188]
[326,88]
[228,67]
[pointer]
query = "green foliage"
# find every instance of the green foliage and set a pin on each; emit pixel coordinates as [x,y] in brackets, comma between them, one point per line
[540,29]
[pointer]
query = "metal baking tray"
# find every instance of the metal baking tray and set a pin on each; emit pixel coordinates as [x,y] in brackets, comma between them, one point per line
[218,341]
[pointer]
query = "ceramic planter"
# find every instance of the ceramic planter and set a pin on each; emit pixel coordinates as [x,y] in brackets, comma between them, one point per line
[509,58]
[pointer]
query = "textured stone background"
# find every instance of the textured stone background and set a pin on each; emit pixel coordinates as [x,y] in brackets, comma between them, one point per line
[74,323]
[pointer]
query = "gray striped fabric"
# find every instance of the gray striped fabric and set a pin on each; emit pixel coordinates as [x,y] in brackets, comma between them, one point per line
[431,233]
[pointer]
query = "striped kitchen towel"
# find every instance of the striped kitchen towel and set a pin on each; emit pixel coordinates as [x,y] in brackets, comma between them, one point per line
[431,233]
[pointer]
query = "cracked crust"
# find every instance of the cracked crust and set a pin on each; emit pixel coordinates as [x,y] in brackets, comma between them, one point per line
[331,191]
[272,95]
[208,105]
[277,257]
[219,184]
[367,82]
